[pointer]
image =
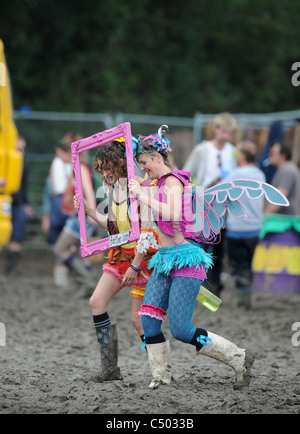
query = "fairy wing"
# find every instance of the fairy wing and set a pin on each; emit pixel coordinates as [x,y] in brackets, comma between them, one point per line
[210,206]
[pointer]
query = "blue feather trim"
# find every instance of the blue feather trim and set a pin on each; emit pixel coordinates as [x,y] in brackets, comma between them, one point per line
[179,256]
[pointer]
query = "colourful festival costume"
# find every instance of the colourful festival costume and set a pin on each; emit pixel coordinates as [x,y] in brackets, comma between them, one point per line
[180,268]
[120,258]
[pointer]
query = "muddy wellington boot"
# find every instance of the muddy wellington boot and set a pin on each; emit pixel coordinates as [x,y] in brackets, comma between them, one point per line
[108,343]
[12,259]
[239,359]
[160,363]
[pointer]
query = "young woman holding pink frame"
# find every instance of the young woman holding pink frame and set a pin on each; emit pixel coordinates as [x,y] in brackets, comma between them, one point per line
[127,263]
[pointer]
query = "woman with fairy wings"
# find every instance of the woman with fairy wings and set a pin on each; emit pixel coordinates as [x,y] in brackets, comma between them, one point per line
[181,263]
[127,264]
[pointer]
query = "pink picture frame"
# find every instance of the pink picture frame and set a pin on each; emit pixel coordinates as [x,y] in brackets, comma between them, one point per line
[94,141]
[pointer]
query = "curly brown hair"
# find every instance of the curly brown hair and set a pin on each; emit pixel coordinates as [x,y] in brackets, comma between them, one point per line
[111,156]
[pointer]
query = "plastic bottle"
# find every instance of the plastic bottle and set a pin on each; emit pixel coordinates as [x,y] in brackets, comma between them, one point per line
[208,299]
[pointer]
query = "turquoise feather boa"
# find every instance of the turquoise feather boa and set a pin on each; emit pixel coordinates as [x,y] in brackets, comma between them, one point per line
[179,256]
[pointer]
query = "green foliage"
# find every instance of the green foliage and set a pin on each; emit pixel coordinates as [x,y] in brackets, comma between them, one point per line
[154,57]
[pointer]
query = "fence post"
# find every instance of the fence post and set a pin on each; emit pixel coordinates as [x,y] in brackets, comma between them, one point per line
[197,128]
[119,118]
[108,121]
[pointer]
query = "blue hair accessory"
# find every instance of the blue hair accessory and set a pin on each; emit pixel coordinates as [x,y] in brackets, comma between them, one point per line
[135,144]
[203,339]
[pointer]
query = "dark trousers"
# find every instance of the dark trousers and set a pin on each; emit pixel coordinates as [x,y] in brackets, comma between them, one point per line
[240,254]
[214,274]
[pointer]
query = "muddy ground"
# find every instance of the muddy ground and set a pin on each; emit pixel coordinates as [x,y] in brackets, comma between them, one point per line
[51,355]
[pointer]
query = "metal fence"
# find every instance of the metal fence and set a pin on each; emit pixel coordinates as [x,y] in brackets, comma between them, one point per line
[42,131]
[196,123]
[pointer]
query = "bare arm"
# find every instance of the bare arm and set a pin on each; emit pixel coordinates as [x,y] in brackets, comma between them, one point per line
[88,190]
[171,210]
[92,212]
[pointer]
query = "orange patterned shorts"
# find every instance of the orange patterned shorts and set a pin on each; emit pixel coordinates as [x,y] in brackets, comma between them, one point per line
[119,260]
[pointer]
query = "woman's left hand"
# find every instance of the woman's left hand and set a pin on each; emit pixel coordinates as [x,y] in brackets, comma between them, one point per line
[134,188]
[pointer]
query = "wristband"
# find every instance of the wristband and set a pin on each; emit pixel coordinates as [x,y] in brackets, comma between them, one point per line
[135,267]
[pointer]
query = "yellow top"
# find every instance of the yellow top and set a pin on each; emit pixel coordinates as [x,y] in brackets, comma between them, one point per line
[120,210]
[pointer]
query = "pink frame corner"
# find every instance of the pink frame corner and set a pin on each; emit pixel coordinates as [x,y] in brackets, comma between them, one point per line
[95,247]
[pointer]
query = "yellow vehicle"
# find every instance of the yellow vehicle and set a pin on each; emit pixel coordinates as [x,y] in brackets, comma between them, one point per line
[11,160]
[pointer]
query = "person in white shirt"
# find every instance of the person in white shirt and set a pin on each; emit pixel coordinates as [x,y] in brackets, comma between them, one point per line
[61,169]
[209,163]
[212,160]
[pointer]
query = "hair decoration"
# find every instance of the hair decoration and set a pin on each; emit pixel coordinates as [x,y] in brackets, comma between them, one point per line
[159,140]
[120,139]
[134,142]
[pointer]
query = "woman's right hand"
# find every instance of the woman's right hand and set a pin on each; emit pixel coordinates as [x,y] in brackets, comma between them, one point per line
[87,208]
[134,188]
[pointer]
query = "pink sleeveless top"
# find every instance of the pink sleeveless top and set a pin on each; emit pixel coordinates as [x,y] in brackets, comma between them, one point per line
[186,220]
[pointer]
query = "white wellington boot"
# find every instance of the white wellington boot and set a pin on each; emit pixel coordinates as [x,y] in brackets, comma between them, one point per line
[160,363]
[239,359]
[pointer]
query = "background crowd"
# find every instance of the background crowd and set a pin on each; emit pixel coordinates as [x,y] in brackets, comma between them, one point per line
[213,160]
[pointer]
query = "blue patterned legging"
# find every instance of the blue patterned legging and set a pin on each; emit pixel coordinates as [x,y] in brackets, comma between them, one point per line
[179,296]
